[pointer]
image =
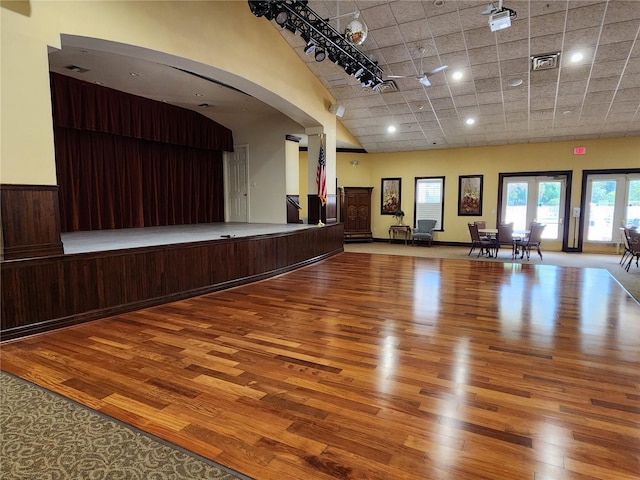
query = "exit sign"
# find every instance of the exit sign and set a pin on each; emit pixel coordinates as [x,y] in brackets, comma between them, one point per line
[579,150]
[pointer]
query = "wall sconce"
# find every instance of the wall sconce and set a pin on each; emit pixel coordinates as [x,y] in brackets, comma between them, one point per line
[354,163]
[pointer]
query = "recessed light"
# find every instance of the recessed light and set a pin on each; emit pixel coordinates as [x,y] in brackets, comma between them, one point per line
[470,121]
[576,57]
[199,95]
[457,75]
[438,3]
[134,74]
[391,129]
[567,112]
[515,82]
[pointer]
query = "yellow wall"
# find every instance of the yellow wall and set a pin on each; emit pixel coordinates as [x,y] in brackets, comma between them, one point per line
[221,34]
[488,161]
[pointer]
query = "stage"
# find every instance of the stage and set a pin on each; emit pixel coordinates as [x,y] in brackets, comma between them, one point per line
[104,240]
[104,273]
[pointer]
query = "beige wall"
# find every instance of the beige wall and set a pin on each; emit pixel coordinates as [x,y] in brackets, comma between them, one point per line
[221,34]
[617,153]
[203,32]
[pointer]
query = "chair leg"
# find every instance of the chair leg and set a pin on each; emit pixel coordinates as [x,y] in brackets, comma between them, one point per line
[626,267]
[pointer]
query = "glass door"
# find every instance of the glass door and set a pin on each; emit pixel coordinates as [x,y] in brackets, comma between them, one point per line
[535,199]
[613,202]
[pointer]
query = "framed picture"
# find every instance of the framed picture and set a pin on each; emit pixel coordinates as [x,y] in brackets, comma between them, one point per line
[470,195]
[390,196]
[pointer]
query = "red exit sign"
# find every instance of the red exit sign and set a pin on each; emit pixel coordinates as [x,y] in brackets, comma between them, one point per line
[579,150]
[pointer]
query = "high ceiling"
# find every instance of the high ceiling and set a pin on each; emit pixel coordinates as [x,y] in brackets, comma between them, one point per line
[596,97]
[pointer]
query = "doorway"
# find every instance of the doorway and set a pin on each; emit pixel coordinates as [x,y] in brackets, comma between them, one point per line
[611,201]
[236,184]
[537,197]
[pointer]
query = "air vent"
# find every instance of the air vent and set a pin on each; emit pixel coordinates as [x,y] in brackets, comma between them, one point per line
[77,69]
[386,87]
[548,61]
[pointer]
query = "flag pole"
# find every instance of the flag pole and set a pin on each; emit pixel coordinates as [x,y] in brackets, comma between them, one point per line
[321,179]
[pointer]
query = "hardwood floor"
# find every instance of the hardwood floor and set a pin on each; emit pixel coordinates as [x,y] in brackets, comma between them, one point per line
[373,367]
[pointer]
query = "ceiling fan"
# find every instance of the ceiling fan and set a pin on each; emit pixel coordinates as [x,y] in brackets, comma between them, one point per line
[423,77]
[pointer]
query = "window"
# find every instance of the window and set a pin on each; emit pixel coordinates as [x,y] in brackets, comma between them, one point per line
[430,199]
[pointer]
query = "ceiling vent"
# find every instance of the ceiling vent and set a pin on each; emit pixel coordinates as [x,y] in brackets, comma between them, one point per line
[77,69]
[548,61]
[386,87]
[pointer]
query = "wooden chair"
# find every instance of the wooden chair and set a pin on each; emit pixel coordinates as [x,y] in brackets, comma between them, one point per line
[481,224]
[424,231]
[634,245]
[481,242]
[505,237]
[627,246]
[533,240]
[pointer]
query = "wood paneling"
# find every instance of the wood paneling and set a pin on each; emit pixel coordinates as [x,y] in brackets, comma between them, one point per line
[30,221]
[328,213]
[46,293]
[373,367]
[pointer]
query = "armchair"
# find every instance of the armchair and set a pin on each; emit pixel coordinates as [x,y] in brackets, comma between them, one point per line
[424,231]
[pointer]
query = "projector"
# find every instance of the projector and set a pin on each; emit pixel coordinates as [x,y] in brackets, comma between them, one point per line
[500,20]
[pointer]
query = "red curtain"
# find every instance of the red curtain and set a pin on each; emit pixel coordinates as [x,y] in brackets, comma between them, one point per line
[142,172]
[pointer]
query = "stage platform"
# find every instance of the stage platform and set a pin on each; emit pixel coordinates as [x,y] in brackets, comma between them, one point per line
[105,240]
[104,273]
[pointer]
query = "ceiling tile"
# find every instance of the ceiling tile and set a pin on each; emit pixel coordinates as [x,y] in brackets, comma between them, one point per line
[582,99]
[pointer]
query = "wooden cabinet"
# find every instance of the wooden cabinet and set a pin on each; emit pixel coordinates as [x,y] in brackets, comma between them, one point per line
[355,213]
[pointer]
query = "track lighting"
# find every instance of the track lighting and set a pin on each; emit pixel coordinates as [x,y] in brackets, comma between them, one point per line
[322,40]
[281,17]
[309,48]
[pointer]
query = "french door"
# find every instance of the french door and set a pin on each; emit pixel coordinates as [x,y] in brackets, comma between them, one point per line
[535,199]
[612,202]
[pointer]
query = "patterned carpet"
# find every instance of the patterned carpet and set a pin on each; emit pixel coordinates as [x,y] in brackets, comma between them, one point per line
[45,436]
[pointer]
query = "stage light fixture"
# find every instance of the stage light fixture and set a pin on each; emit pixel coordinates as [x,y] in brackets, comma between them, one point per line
[281,17]
[321,39]
[309,48]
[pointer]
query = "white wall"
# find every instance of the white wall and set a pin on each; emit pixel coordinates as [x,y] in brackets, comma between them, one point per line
[267,167]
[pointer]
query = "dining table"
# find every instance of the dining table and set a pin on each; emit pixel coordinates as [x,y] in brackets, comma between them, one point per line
[517,236]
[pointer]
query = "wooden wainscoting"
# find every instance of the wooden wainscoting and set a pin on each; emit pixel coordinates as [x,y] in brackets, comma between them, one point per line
[52,292]
[30,221]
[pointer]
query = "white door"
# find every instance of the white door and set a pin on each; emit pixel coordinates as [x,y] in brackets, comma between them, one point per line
[237,181]
[613,201]
[535,199]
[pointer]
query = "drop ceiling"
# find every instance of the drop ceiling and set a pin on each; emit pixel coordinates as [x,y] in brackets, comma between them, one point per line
[596,97]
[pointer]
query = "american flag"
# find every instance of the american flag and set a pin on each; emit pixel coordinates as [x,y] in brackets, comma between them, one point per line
[321,175]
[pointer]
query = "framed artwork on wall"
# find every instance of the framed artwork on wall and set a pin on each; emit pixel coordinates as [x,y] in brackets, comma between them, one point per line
[390,195]
[470,195]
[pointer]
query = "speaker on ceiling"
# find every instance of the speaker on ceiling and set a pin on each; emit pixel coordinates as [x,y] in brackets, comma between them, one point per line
[337,109]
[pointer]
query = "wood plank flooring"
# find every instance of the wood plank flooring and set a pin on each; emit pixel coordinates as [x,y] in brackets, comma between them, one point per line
[374,367]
